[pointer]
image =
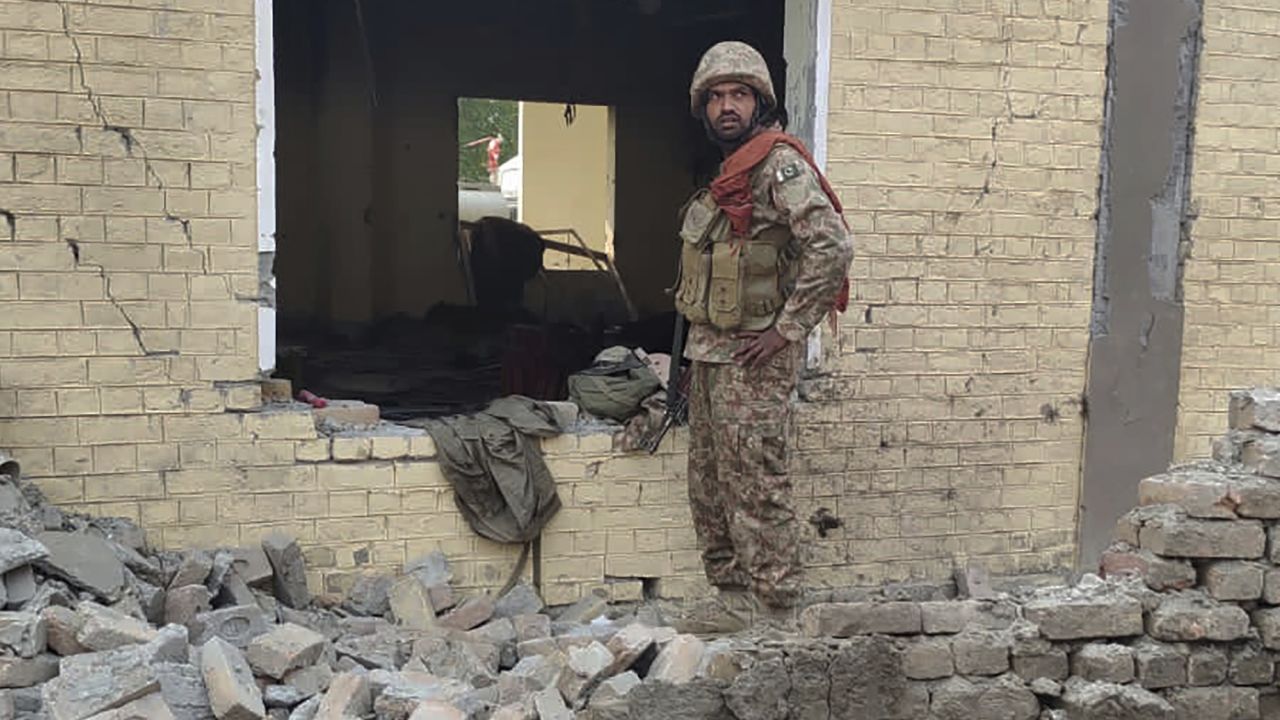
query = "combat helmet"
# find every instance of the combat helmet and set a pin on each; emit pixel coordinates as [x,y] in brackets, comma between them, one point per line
[731,61]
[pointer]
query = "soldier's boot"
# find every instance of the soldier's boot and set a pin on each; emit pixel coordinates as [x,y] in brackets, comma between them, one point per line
[726,612]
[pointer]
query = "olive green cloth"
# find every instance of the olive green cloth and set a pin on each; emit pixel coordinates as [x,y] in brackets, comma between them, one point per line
[494,462]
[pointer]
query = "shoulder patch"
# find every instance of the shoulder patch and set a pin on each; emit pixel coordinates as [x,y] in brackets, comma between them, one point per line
[790,171]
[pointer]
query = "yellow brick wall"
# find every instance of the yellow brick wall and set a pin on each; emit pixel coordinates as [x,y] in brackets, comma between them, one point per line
[128,261]
[964,139]
[1231,274]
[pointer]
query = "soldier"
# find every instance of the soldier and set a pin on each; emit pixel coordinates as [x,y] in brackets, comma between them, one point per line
[764,257]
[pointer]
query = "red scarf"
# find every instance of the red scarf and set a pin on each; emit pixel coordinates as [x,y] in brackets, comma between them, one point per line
[732,189]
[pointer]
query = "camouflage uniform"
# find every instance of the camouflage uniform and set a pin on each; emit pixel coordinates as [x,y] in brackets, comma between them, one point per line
[740,418]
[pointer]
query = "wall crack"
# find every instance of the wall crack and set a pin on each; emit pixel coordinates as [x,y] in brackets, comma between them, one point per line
[74,247]
[128,138]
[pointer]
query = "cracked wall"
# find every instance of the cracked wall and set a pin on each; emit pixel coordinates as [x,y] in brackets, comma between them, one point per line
[964,142]
[1137,323]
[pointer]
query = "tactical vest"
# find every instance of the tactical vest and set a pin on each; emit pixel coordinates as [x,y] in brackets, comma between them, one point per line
[733,284]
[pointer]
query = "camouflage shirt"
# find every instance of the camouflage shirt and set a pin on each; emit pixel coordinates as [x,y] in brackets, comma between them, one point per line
[786,191]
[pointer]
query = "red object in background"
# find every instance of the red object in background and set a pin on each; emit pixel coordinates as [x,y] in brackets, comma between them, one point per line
[312,399]
[495,152]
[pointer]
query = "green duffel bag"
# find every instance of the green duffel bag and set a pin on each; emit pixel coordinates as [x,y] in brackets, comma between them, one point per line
[615,384]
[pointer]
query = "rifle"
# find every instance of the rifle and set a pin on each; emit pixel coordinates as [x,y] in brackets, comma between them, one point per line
[677,390]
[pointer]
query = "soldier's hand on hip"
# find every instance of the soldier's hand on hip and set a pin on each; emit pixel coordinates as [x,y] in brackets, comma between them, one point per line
[758,348]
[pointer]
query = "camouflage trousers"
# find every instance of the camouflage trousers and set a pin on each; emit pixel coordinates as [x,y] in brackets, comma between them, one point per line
[739,490]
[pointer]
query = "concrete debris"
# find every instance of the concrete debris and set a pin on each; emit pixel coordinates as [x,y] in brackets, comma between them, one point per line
[97,682]
[410,603]
[679,661]
[19,672]
[23,634]
[151,707]
[590,607]
[253,566]
[285,648]
[473,612]
[18,550]
[370,595]
[107,629]
[289,570]
[238,625]
[84,562]
[520,600]
[232,692]
[348,695]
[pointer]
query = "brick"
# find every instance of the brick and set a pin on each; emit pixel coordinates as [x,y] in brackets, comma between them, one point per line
[1255,408]
[280,425]
[1178,536]
[1079,616]
[1159,573]
[1037,658]
[1267,621]
[1197,618]
[1159,665]
[980,653]
[1199,494]
[389,448]
[285,648]
[352,449]
[1233,579]
[1206,665]
[1261,453]
[928,659]
[864,618]
[1216,703]
[364,476]
[1102,662]
[1106,700]
[1251,665]
[348,412]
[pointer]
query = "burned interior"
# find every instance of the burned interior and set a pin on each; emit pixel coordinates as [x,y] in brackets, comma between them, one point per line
[403,283]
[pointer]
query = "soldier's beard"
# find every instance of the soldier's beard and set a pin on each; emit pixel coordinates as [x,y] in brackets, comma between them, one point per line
[731,140]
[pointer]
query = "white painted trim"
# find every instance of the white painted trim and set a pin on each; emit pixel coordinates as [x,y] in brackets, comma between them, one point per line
[822,83]
[821,106]
[265,112]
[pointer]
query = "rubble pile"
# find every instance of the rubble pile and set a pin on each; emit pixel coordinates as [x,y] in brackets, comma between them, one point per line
[96,626]
[1183,621]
